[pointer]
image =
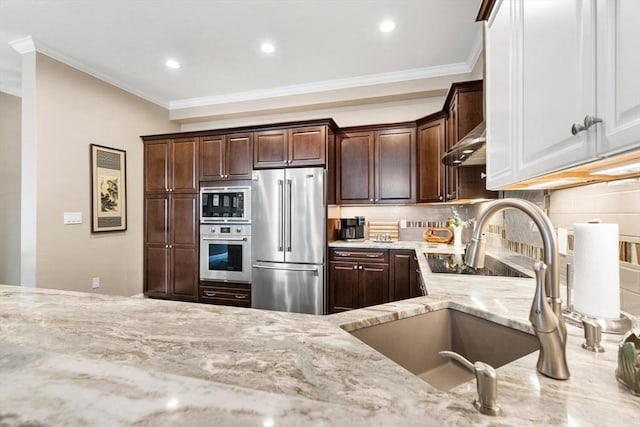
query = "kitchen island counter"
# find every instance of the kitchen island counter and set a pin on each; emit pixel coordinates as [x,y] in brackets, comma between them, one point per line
[71,358]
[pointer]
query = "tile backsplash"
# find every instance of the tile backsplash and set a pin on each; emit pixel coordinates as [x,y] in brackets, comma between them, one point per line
[613,202]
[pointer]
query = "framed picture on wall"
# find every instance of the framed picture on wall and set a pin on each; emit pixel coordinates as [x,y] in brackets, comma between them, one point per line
[108,189]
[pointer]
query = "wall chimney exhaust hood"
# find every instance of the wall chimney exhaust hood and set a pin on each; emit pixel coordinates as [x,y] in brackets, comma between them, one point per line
[470,150]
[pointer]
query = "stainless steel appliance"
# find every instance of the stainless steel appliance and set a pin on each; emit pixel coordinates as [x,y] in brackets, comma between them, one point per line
[289,230]
[225,252]
[352,228]
[225,204]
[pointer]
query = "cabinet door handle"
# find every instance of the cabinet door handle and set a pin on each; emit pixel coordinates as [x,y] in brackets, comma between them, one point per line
[371,200]
[240,296]
[355,267]
[586,124]
[209,293]
[440,198]
[360,267]
[166,246]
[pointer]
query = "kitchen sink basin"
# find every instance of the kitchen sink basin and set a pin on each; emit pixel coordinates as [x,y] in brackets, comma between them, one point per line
[414,343]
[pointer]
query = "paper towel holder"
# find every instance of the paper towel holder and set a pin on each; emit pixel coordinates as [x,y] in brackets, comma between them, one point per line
[609,326]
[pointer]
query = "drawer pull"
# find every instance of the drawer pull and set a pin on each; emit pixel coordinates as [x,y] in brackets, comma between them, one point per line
[241,297]
[209,293]
[339,253]
[378,255]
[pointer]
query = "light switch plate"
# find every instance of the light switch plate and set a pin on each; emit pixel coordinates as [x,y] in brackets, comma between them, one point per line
[562,241]
[403,223]
[72,218]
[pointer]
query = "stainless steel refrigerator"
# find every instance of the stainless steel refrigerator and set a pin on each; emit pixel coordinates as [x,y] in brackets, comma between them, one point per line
[289,235]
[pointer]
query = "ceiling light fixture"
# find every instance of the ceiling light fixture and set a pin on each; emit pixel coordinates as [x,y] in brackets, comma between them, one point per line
[172,63]
[387,26]
[268,47]
[619,169]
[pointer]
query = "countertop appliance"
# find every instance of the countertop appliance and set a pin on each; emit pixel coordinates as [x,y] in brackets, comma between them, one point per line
[351,229]
[289,234]
[225,204]
[225,252]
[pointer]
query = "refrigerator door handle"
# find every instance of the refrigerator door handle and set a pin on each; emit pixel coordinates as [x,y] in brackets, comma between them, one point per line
[280,215]
[269,267]
[288,214]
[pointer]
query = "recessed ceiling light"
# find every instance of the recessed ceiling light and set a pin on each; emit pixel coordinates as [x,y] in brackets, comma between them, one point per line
[268,47]
[172,63]
[387,26]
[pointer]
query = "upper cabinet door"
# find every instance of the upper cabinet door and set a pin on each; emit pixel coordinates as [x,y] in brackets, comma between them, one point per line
[395,166]
[212,151]
[354,172]
[558,84]
[270,149]
[184,170]
[431,144]
[238,155]
[618,75]
[307,146]
[156,166]
[500,104]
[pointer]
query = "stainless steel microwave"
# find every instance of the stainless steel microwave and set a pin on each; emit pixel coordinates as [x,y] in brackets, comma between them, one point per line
[225,204]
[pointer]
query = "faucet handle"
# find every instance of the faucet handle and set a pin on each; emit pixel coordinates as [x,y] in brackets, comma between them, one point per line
[486,383]
[592,335]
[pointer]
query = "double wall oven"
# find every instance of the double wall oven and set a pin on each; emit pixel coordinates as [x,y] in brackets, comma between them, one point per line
[225,234]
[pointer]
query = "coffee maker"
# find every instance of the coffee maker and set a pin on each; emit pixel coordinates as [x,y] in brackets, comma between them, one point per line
[351,228]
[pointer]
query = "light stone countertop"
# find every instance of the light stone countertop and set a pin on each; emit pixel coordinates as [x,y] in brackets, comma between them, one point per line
[70,358]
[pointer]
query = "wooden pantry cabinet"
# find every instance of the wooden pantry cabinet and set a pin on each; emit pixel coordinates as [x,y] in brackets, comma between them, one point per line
[171,219]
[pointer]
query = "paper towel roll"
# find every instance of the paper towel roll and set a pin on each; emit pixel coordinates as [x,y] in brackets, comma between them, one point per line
[596,266]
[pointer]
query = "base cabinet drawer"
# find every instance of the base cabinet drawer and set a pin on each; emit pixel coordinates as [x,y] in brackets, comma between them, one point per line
[234,294]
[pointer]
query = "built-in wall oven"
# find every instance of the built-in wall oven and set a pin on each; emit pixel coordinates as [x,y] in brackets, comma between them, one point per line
[225,205]
[225,252]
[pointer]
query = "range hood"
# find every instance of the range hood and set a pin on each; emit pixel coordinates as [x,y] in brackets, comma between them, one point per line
[470,150]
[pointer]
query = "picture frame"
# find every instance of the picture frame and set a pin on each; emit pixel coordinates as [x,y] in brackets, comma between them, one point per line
[108,189]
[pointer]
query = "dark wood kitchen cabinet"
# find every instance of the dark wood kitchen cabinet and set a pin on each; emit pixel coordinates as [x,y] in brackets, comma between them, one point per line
[357,278]
[226,157]
[292,147]
[171,246]
[403,274]
[225,293]
[171,218]
[170,166]
[376,166]
[430,169]
[464,106]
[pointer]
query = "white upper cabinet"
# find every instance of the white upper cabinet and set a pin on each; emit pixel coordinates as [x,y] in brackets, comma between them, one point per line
[618,24]
[499,97]
[549,65]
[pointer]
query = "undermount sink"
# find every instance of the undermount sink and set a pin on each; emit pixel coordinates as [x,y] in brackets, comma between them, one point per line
[414,343]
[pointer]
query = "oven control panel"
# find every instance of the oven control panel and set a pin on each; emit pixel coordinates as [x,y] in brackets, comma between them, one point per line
[225,229]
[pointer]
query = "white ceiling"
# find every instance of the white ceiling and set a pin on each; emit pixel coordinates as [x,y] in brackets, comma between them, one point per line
[320,44]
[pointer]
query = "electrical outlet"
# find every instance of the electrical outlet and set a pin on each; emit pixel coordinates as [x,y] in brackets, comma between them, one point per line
[562,241]
[403,223]
[95,282]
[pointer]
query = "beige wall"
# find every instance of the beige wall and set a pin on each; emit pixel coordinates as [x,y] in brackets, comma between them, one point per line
[10,107]
[74,110]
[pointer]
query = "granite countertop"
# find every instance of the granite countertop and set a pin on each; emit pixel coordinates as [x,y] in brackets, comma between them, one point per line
[70,358]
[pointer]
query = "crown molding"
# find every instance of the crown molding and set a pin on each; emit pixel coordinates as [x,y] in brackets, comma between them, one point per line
[28,43]
[23,45]
[328,85]
[476,51]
